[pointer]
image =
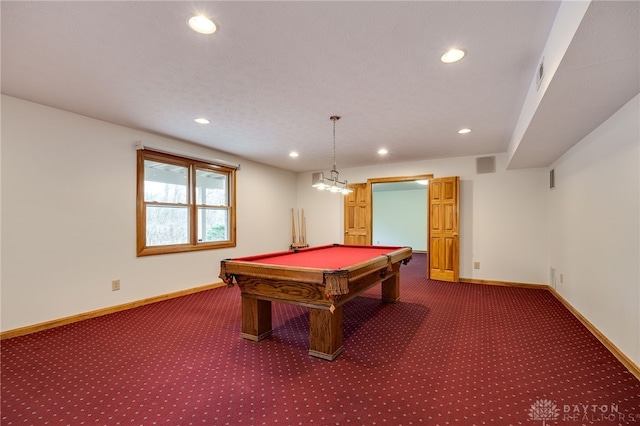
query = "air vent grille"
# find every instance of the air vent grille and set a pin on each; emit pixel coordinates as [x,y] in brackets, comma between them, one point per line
[485,165]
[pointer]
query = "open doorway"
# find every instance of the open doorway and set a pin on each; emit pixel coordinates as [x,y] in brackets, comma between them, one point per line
[358,211]
[399,211]
[399,214]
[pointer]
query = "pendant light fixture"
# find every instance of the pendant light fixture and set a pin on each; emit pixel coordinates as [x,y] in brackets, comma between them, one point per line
[331,184]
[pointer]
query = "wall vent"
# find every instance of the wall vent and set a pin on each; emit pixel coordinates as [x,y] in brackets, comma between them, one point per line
[485,165]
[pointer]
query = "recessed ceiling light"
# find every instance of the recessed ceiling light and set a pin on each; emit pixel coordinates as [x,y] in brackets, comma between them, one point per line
[453,55]
[201,121]
[383,151]
[202,24]
[293,154]
[464,131]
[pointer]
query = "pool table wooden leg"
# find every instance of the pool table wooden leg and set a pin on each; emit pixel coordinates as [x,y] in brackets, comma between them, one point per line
[391,289]
[256,319]
[325,333]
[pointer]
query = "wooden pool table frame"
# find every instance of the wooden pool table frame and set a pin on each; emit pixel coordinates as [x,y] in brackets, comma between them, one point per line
[261,283]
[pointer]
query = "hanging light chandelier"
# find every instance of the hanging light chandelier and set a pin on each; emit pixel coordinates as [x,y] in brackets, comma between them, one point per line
[331,184]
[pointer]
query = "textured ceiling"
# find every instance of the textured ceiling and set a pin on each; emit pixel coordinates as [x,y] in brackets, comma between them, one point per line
[274,72]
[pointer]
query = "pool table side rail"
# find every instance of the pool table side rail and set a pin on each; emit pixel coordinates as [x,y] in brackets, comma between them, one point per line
[302,294]
[311,294]
[230,269]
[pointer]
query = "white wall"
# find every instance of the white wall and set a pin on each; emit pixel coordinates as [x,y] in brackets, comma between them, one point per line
[69,216]
[594,216]
[503,215]
[400,218]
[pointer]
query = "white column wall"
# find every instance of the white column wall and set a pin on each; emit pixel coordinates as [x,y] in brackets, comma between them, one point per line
[594,216]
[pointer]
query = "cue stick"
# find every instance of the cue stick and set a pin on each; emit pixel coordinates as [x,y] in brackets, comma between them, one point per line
[303,231]
[293,227]
[301,213]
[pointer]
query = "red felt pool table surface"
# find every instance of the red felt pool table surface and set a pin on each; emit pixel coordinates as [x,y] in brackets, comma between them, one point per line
[322,257]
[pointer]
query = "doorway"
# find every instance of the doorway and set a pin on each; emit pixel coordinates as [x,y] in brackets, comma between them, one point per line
[398,214]
[358,212]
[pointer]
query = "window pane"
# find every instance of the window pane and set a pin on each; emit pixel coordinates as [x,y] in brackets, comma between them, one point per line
[165,183]
[213,225]
[167,225]
[211,188]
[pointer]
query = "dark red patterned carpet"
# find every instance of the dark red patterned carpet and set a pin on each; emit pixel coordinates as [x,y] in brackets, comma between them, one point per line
[447,354]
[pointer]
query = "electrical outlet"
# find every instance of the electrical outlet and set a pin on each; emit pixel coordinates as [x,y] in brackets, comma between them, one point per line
[115,285]
[476,265]
[561,278]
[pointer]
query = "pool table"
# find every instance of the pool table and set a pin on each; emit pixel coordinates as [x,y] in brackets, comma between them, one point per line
[322,278]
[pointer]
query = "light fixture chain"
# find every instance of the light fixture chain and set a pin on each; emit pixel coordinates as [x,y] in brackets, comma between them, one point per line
[334,141]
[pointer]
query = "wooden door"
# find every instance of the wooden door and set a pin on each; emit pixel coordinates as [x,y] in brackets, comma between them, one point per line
[444,205]
[357,215]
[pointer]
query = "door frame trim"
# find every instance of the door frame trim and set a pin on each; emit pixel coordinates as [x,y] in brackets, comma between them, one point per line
[398,179]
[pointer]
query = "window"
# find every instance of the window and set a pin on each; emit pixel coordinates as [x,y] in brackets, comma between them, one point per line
[183,204]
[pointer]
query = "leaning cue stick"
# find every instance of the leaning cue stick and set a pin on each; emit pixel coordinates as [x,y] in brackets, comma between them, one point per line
[303,230]
[293,227]
[299,227]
